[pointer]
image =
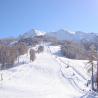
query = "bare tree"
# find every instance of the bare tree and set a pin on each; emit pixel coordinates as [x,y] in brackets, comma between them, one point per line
[73,50]
[11,56]
[7,56]
[92,57]
[21,48]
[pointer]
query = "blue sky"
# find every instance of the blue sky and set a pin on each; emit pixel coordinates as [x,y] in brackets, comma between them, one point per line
[19,16]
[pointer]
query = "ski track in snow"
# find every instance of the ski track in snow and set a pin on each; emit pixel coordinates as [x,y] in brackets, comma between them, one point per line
[47,77]
[86,93]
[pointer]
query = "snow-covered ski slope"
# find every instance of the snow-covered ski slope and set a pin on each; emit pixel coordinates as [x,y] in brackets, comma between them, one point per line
[49,76]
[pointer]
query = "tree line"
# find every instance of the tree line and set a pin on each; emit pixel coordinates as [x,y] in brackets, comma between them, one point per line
[9,54]
[76,50]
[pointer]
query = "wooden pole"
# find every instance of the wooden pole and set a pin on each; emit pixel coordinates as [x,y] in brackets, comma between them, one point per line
[92,77]
[97,76]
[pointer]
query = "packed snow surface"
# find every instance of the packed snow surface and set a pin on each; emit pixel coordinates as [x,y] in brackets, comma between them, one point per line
[49,76]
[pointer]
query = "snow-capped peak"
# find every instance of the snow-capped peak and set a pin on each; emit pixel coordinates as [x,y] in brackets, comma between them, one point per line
[71,32]
[32,33]
[39,33]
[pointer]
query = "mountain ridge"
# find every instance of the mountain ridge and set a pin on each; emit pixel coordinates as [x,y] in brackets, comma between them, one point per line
[61,34]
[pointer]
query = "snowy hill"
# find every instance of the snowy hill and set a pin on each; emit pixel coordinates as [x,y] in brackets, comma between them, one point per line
[49,76]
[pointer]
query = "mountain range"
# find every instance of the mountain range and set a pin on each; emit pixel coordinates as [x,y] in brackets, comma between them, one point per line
[61,35]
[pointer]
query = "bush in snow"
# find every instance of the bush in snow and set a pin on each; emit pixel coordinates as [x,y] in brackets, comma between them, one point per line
[32,55]
[40,49]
